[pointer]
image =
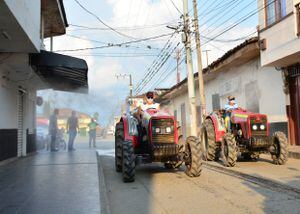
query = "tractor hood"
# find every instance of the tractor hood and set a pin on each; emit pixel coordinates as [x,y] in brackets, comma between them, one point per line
[241,115]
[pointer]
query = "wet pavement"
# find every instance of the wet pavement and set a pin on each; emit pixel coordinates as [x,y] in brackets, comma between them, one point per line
[60,182]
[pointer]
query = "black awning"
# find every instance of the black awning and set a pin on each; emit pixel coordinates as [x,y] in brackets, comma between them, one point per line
[61,72]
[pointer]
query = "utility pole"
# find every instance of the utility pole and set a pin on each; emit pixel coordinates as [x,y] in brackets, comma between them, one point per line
[178,57]
[199,62]
[130,87]
[206,52]
[190,73]
[130,82]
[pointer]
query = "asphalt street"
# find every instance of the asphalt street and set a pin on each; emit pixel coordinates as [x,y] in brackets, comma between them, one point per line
[250,187]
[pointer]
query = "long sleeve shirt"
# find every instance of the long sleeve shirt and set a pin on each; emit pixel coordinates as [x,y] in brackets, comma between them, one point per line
[230,107]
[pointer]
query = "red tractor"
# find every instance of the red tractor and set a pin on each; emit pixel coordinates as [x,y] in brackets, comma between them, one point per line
[156,138]
[248,136]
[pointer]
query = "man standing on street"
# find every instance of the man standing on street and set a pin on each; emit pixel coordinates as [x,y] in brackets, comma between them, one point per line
[53,130]
[72,127]
[92,132]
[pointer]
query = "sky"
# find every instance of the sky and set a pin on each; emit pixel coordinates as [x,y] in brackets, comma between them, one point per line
[222,27]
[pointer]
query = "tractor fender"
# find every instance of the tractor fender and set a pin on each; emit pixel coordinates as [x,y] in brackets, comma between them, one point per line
[130,129]
[218,126]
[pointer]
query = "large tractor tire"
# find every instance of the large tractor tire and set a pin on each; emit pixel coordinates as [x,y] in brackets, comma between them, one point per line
[280,144]
[119,138]
[209,138]
[229,150]
[193,156]
[128,160]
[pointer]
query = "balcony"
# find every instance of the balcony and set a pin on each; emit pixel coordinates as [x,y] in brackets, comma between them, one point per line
[280,42]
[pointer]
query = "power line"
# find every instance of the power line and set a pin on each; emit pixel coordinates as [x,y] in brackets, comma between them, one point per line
[155,71]
[109,45]
[101,42]
[176,7]
[155,62]
[100,20]
[119,56]
[135,27]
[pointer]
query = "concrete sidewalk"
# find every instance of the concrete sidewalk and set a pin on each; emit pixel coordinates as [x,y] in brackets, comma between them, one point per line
[62,182]
[294,152]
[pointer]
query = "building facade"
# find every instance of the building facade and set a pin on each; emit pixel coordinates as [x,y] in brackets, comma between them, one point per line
[279,38]
[24,65]
[237,73]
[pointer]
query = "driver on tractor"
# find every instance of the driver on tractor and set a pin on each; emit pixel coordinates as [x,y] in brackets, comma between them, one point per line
[229,106]
[141,114]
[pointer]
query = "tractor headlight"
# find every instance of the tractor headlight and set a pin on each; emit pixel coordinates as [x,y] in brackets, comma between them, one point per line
[168,130]
[262,127]
[157,130]
[254,127]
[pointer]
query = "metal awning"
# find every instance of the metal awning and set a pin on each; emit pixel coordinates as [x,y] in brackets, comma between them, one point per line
[61,72]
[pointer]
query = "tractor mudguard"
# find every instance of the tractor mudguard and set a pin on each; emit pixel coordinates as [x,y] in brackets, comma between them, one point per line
[218,125]
[129,133]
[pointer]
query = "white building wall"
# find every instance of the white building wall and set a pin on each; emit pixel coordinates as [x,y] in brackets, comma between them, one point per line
[267,81]
[8,105]
[9,93]
[28,15]
[282,49]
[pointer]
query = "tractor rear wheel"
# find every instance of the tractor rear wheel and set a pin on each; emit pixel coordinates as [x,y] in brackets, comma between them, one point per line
[229,150]
[280,144]
[128,162]
[119,138]
[193,156]
[209,137]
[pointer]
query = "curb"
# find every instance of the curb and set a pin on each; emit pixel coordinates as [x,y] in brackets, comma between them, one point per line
[104,202]
[295,155]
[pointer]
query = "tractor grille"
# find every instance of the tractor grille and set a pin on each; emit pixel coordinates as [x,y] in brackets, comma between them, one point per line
[163,137]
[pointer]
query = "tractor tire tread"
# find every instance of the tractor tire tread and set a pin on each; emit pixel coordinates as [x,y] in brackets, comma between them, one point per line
[283,156]
[212,150]
[128,168]
[230,160]
[195,168]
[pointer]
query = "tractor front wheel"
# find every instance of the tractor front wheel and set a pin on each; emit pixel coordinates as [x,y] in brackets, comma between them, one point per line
[177,164]
[280,153]
[128,161]
[119,138]
[193,156]
[229,150]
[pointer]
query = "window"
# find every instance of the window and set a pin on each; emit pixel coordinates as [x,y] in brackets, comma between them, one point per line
[216,102]
[275,11]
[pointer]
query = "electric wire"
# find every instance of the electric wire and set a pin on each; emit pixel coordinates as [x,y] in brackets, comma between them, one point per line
[100,20]
[176,7]
[109,45]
